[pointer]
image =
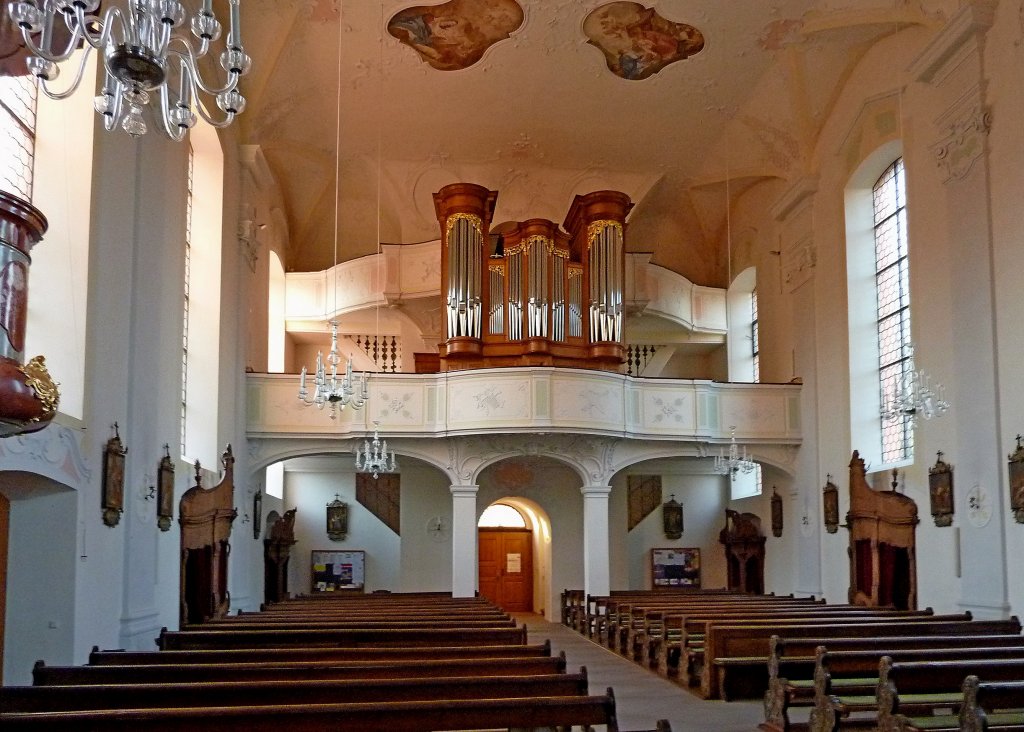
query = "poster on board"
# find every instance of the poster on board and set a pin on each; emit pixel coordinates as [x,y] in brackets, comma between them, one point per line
[675,568]
[334,571]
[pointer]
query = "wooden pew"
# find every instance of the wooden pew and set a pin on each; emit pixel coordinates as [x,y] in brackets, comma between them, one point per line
[793,664]
[594,610]
[308,624]
[736,655]
[315,654]
[639,646]
[163,673]
[82,697]
[916,690]
[282,638]
[469,714]
[693,645]
[985,703]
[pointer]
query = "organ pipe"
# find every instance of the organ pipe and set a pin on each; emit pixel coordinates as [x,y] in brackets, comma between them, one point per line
[550,297]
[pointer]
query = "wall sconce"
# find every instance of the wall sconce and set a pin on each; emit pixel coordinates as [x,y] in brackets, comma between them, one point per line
[776,513]
[940,491]
[1016,466]
[672,517]
[830,504]
[337,519]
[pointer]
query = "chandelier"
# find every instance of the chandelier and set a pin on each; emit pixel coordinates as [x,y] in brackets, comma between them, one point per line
[374,457]
[910,395]
[733,463]
[331,391]
[141,52]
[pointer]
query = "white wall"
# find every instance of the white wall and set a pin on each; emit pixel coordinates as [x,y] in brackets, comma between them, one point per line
[703,497]
[309,485]
[40,580]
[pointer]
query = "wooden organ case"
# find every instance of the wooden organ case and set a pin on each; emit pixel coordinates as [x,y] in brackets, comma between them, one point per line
[883,558]
[550,298]
[205,516]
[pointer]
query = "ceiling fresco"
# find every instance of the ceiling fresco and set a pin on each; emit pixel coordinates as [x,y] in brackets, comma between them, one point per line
[455,34]
[637,42]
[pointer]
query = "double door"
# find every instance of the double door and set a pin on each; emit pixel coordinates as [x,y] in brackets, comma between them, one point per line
[506,568]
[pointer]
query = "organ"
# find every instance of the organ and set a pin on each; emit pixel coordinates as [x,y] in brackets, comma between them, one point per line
[545,297]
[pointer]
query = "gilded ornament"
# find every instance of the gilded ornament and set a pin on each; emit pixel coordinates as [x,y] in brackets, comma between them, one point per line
[473,220]
[598,227]
[45,388]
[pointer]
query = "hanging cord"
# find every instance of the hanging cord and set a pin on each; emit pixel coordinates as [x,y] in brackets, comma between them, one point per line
[380,125]
[337,164]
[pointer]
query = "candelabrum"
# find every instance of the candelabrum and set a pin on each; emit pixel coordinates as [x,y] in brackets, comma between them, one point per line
[733,463]
[374,457]
[911,395]
[141,52]
[330,390]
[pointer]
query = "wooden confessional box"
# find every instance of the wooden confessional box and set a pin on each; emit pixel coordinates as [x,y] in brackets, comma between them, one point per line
[277,548]
[205,516]
[744,551]
[541,296]
[883,557]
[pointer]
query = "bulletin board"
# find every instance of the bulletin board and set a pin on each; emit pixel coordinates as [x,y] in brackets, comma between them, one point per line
[335,571]
[675,568]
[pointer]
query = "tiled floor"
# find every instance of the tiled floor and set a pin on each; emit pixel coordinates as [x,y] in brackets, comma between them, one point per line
[641,696]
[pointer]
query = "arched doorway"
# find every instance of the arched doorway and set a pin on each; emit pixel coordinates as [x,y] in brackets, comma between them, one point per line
[505,556]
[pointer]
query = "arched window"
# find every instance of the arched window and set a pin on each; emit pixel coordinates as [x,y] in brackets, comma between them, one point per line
[892,287]
[755,348]
[743,335]
[878,303]
[46,148]
[17,134]
[503,516]
[200,360]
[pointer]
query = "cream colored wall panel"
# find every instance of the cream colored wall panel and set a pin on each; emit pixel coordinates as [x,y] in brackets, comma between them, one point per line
[753,413]
[421,269]
[489,402]
[668,410]
[591,401]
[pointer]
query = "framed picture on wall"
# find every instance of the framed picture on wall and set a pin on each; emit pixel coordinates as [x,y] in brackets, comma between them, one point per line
[675,568]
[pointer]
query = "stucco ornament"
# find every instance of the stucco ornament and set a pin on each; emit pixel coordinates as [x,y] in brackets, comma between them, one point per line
[963,144]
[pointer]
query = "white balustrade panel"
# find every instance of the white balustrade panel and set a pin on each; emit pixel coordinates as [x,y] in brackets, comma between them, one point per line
[538,400]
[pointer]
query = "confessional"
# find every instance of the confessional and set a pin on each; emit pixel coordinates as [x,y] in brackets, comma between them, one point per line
[883,560]
[205,516]
[744,551]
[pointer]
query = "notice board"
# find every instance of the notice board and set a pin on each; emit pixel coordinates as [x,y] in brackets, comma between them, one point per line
[336,571]
[675,567]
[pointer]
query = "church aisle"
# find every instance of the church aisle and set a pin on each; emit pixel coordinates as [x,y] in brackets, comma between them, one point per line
[642,697]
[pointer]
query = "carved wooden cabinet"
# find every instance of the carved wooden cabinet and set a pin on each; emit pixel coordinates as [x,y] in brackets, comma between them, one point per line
[205,516]
[883,560]
[744,551]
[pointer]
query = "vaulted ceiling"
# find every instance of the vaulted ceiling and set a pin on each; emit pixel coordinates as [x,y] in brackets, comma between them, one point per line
[339,103]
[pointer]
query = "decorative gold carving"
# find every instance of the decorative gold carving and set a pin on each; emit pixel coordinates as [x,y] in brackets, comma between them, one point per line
[597,227]
[473,220]
[45,388]
[500,268]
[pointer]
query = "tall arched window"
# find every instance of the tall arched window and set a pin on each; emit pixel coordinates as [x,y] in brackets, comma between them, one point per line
[892,287]
[755,347]
[17,134]
[878,302]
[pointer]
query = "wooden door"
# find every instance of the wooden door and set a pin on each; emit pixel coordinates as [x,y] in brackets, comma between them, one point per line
[506,568]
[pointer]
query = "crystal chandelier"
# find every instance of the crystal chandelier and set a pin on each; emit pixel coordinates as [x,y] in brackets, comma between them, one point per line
[733,463]
[911,395]
[141,53]
[374,457]
[336,393]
